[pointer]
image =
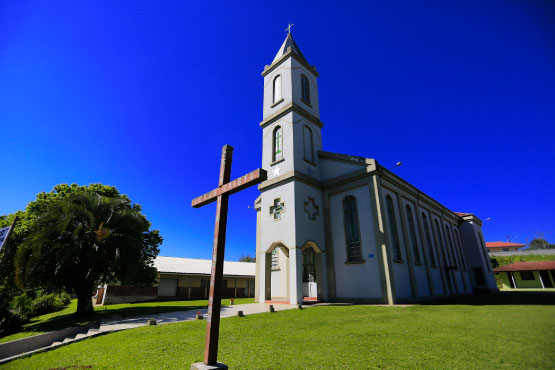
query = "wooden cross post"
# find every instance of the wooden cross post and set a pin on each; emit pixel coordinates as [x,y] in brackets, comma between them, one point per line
[221,195]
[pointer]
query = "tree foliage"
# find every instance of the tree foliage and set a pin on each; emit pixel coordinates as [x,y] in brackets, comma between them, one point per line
[76,237]
[247,258]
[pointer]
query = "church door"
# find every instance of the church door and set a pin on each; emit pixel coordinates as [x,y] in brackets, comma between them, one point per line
[309,274]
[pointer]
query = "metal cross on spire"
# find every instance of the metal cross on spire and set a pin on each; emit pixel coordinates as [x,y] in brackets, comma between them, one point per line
[288,29]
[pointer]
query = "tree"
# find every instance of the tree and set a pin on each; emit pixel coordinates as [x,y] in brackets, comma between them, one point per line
[81,236]
[247,258]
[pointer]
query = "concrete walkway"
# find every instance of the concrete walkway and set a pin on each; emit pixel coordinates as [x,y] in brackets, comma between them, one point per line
[179,316]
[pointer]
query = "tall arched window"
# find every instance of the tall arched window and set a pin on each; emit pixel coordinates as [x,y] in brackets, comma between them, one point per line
[393,227]
[277,89]
[413,239]
[459,248]
[454,257]
[352,228]
[277,144]
[440,242]
[308,144]
[305,88]
[428,239]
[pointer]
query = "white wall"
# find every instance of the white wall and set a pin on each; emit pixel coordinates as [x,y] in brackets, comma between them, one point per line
[401,273]
[355,280]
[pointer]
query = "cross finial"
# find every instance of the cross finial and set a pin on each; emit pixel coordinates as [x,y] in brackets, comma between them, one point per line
[288,29]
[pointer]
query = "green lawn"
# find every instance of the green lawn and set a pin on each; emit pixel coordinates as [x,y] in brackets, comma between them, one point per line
[66,317]
[510,331]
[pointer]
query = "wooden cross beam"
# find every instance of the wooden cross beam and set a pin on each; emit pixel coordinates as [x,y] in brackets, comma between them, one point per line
[221,196]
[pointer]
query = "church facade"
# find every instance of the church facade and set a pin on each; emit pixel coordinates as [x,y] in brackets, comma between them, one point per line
[335,227]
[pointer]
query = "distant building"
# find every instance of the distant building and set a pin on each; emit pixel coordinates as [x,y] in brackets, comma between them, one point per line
[183,278]
[527,275]
[503,246]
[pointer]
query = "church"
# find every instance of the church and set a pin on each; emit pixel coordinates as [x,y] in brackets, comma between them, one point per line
[335,227]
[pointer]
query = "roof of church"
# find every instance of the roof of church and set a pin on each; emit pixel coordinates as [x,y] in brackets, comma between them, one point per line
[289,43]
[527,266]
[180,265]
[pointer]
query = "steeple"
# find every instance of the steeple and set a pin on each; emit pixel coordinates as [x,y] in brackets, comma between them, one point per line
[289,43]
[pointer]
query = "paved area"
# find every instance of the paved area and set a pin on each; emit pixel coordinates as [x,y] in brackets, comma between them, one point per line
[179,316]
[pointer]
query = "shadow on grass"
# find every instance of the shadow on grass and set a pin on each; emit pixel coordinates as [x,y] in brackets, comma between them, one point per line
[69,320]
[501,298]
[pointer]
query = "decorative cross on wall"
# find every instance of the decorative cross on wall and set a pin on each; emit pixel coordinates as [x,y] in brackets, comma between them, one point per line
[311,209]
[277,209]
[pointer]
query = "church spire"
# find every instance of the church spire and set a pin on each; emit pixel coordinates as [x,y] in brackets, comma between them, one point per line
[289,43]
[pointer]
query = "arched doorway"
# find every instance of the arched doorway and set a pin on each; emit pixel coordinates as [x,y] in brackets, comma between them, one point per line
[277,273]
[312,272]
[310,286]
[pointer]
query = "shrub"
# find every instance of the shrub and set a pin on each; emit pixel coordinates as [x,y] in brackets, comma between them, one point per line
[22,306]
[25,307]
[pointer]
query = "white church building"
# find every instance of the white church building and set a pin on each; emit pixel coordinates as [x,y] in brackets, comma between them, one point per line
[335,227]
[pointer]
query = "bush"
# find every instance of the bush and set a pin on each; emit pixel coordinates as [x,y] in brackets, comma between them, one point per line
[25,307]
[22,306]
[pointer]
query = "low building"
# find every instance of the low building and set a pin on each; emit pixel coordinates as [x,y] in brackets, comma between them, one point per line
[183,278]
[526,275]
[503,247]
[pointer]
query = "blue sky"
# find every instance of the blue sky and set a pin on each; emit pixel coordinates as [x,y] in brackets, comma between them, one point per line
[142,95]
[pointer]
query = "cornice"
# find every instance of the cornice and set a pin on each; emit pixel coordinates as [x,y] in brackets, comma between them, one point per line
[288,177]
[283,58]
[292,107]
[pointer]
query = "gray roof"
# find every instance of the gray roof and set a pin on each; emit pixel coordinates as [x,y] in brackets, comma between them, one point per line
[180,265]
[289,42]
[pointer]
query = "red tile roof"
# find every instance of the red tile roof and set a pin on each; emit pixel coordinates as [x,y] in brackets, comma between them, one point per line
[527,266]
[462,214]
[503,244]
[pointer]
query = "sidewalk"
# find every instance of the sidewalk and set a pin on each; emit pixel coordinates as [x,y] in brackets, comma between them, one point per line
[179,316]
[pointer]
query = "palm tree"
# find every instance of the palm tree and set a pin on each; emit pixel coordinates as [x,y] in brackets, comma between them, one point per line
[86,239]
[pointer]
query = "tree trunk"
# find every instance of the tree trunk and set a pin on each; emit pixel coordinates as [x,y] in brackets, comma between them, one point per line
[84,300]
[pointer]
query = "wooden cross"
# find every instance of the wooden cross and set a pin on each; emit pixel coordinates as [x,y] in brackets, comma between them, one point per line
[288,29]
[221,195]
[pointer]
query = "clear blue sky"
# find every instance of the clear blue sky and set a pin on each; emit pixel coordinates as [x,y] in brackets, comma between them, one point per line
[143,94]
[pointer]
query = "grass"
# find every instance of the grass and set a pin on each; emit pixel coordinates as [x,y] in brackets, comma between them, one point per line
[507,331]
[67,318]
[507,260]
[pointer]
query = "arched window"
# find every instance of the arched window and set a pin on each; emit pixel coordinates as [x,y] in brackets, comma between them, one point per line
[277,89]
[454,257]
[428,239]
[459,248]
[277,144]
[352,228]
[308,144]
[393,227]
[440,241]
[413,239]
[305,88]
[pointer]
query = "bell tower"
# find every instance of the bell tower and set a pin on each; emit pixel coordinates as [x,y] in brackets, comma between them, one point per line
[290,227]
[291,115]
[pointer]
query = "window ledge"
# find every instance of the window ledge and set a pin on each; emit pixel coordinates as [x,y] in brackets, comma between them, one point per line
[398,261]
[276,269]
[276,103]
[307,103]
[418,263]
[276,162]
[354,262]
[310,162]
